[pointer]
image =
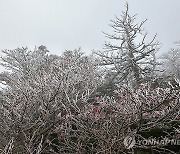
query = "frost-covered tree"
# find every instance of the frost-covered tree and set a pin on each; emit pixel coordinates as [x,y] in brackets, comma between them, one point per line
[45,108]
[41,89]
[129,57]
[171,63]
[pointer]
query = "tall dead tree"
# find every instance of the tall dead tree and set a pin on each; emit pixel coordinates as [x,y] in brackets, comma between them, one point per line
[132,58]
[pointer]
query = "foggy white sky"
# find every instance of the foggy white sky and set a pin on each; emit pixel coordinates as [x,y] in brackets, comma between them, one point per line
[69,24]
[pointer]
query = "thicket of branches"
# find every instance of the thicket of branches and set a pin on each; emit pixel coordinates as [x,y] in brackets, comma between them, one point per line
[73,104]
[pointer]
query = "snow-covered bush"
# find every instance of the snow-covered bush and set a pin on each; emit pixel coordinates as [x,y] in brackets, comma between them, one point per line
[39,89]
[54,104]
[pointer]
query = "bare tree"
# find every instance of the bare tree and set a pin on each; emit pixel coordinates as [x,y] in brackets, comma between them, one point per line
[128,60]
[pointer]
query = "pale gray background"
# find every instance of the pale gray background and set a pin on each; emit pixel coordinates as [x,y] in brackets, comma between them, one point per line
[69,24]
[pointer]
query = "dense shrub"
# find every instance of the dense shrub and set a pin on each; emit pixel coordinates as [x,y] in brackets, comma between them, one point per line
[58,105]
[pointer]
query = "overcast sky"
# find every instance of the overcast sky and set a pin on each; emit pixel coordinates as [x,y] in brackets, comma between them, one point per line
[69,24]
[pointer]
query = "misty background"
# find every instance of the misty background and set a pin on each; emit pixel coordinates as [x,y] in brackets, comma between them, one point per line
[69,24]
